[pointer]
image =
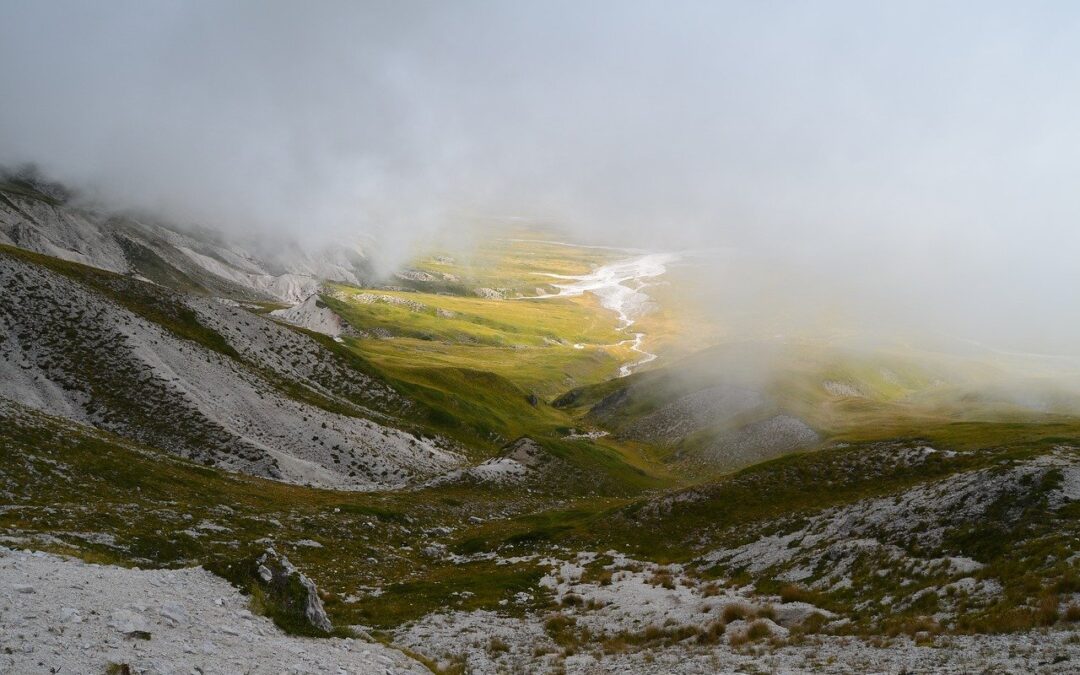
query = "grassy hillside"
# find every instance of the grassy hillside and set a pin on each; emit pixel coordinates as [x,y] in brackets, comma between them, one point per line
[80,491]
[531,342]
[77,490]
[699,408]
[933,498]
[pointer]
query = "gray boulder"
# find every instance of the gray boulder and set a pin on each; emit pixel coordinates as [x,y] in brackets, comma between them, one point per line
[290,590]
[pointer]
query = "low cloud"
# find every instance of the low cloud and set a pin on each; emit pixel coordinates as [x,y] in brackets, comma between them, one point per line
[913,164]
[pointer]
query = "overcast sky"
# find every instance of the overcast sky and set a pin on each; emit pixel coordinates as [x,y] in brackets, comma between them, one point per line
[923,158]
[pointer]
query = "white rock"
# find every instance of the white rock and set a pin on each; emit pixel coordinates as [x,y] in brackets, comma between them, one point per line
[128,621]
[174,612]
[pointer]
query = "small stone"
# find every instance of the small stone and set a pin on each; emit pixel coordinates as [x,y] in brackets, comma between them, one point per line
[128,622]
[24,588]
[265,574]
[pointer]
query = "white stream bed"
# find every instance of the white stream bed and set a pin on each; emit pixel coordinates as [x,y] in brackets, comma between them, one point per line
[619,287]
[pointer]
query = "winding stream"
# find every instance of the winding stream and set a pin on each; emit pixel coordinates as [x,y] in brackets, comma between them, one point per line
[619,288]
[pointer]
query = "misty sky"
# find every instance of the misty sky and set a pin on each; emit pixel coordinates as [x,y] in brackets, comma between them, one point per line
[919,159]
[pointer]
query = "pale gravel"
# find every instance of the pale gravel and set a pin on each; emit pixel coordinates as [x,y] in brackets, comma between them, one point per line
[630,604]
[65,614]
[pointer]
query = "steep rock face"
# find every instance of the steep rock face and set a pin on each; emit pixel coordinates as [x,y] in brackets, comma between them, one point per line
[201,379]
[204,263]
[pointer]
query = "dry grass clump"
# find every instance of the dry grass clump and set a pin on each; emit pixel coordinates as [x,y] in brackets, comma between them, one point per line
[1047,612]
[597,575]
[913,626]
[712,633]
[812,624]
[564,631]
[662,578]
[572,600]
[794,593]
[737,612]
[498,645]
[652,633]
[1072,613]
[653,636]
[755,631]
[758,630]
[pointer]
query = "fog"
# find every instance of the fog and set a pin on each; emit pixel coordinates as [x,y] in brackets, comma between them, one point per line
[901,165]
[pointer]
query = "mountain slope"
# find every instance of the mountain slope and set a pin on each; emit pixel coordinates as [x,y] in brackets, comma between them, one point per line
[42,217]
[740,403]
[200,378]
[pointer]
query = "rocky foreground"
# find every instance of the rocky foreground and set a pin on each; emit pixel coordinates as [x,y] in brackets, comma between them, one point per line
[61,615]
[646,618]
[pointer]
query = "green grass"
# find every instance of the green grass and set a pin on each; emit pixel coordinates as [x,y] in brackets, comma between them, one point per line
[514,261]
[483,369]
[530,342]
